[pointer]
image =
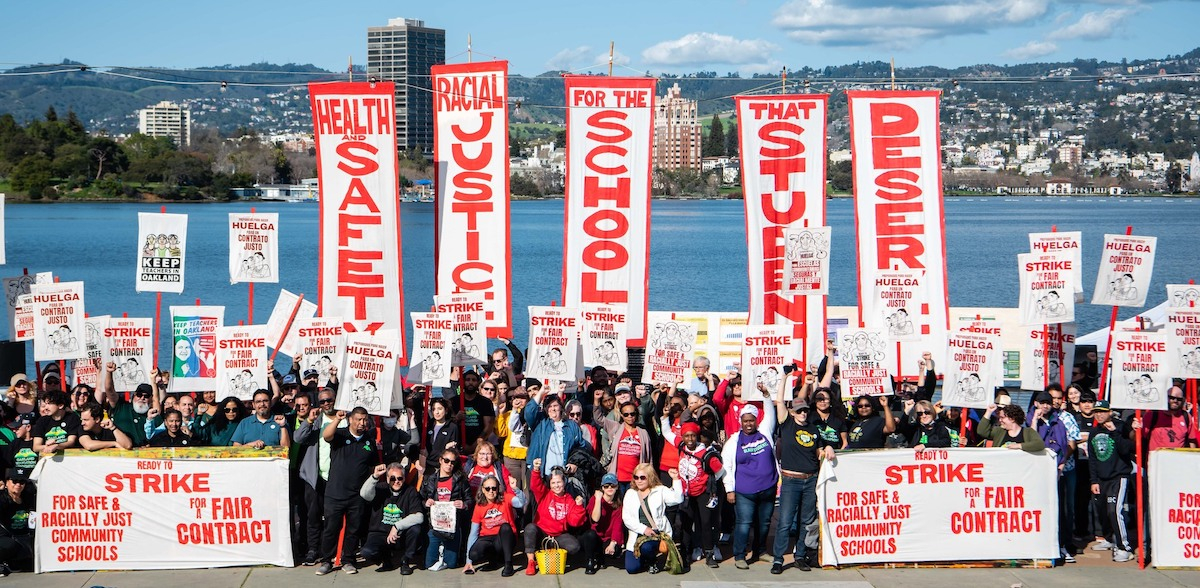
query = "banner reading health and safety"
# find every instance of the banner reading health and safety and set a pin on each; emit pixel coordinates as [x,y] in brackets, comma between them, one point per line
[253,247]
[87,370]
[366,378]
[432,349]
[360,272]
[470,157]
[1175,508]
[1069,243]
[606,256]
[146,513]
[1047,295]
[765,349]
[1126,265]
[1140,375]
[1048,354]
[603,336]
[782,145]
[1183,342]
[241,361]
[938,505]
[128,343]
[899,214]
[162,247]
[974,369]
[58,322]
[467,311]
[319,342]
[194,347]
[553,343]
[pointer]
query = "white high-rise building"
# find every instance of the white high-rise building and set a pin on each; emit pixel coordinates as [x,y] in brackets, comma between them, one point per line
[678,134]
[167,119]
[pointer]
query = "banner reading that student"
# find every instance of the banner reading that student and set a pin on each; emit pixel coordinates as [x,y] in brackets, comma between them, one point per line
[88,370]
[1069,243]
[58,322]
[606,252]
[553,343]
[366,378]
[668,349]
[1183,342]
[360,271]
[1175,508]
[765,349]
[894,302]
[1059,340]
[1046,293]
[783,152]
[1178,295]
[14,287]
[899,213]
[974,369]
[128,343]
[865,356]
[194,351]
[285,305]
[241,361]
[603,336]
[468,342]
[319,342]
[146,512]
[938,505]
[1140,375]
[1126,266]
[432,349]
[162,247]
[470,156]
[253,247]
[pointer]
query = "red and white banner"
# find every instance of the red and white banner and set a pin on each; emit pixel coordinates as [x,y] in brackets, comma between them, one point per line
[1059,340]
[468,339]
[1046,291]
[58,322]
[241,361]
[974,369]
[360,272]
[432,349]
[899,212]
[129,343]
[1069,243]
[783,152]
[87,370]
[146,513]
[895,298]
[865,356]
[367,377]
[320,342]
[553,343]
[604,336]
[1175,508]
[253,247]
[162,248]
[606,238]
[955,504]
[280,335]
[1178,295]
[1140,376]
[1183,342]
[765,349]
[1126,266]
[470,156]
[669,349]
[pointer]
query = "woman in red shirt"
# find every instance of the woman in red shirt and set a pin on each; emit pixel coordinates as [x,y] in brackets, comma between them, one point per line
[557,514]
[630,443]
[604,508]
[493,523]
[699,468]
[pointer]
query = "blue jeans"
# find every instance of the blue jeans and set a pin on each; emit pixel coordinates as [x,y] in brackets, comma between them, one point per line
[754,508]
[797,510]
[645,559]
[449,550]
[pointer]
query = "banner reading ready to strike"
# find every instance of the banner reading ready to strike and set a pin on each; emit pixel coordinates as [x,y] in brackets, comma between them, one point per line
[128,344]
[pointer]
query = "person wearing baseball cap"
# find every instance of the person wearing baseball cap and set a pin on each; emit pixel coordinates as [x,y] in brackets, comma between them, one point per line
[18,499]
[21,396]
[1112,470]
[749,456]
[19,452]
[801,449]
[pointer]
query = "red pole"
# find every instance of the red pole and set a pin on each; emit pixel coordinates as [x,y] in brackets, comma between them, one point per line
[1062,361]
[1141,523]
[1112,324]
[157,325]
[1046,355]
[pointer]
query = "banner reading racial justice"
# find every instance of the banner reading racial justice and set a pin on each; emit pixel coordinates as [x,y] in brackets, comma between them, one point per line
[765,349]
[253,247]
[865,356]
[469,342]
[432,349]
[606,240]
[360,271]
[899,213]
[553,343]
[162,247]
[128,343]
[603,336]
[320,342]
[1140,377]
[783,153]
[470,154]
[58,322]
[1183,342]
[938,505]
[241,361]
[1036,363]
[1047,294]
[1068,243]
[1175,508]
[1126,267]
[367,376]
[194,347]
[974,369]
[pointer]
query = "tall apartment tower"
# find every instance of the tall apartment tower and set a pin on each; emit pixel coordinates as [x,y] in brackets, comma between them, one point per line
[402,52]
[678,134]
[167,119]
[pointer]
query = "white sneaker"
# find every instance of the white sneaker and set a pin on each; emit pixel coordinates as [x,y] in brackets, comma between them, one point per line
[697,554]
[1102,545]
[1120,555]
[1066,556]
[724,538]
[437,566]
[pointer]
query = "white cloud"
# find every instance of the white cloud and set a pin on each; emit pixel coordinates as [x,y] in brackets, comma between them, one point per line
[567,58]
[1094,25]
[1032,50]
[902,23]
[709,48]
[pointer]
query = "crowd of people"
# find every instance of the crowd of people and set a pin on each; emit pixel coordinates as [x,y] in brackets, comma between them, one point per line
[615,472]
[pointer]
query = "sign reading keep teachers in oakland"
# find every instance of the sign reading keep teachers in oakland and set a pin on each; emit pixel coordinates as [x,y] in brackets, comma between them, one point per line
[162,245]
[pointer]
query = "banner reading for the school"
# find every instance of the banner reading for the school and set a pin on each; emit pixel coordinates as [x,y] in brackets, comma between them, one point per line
[360,272]
[604,335]
[319,342]
[1183,295]
[606,254]
[468,342]
[865,356]
[470,162]
[58,323]
[143,513]
[765,349]
[938,505]
[1036,363]
[553,343]
[1175,508]
[1047,296]
[366,378]
[253,247]
[1183,342]
[1126,266]
[162,247]
[432,349]
[194,351]
[14,287]
[87,370]
[1140,374]
[241,361]
[899,213]
[974,368]
[128,343]
[895,299]
[1069,243]
[783,152]
[280,335]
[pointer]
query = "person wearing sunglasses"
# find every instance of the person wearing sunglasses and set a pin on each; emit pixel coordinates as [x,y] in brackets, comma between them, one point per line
[928,431]
[314,469]
[396,518]
[493,524]
[631,444]
[870,428]
[1172,427]
[801,449]
[574,410]
[446,483]
[129,415]
[558,515]
[604,510]
[644,512]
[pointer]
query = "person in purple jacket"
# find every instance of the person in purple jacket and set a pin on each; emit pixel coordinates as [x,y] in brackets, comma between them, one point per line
[749,457]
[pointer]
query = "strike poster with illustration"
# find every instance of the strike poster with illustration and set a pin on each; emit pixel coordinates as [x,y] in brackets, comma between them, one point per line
[431,349]
[58,322]
[1183,342]
[128,344]
[1126,266]
[807,261]
[1139,370]
[253,248]
[162,248]
[468,345]
[288,305]
[320,342]
[765,349]
[896,299]
[553,343]
[13,289]
[1178,296]
[87,370]
[194,347]
[1059,340]
[865,356]
[974,369]
[668,349]
[1069,244]
[604,336]
[370,369]
[1046,292]
[241,361]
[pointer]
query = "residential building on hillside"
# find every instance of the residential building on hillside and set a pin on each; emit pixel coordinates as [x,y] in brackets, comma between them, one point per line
[403,52]
[678,134]
[167,119]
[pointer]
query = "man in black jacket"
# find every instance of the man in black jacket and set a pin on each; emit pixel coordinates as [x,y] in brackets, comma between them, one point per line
[351,460]
[396,518]
[1112,470]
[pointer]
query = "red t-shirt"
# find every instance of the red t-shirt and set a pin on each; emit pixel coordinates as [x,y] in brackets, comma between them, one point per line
[478,473]
[629,454]
[443,490]
[1167,430]
[692,472]
[491,517]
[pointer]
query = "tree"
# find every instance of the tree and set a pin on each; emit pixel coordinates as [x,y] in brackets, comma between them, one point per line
[1174,179]
[714,144]
[33,174]
[841,177]
[523,186]
[731,141]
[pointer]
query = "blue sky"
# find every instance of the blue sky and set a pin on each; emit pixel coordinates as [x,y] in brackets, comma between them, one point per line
[748,36]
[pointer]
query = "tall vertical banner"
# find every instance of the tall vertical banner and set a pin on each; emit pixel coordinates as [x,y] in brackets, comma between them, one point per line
[553,343]
[1140,375]
[366,379]
[1126,266]
[320,342]
[603,336]
[865,356]
[974,369]
[783,153]
[899,212]
[279,335]
[14,287]
[1059,340]
[669,349]
[194,347]
[1178,295]
[360,271]
[162,248]
[765,349]
[3,246]
[87,370]
[58,322]
[467,311]
[606,237]
[1175,508]
[1183,343]
[471,212]
[1070,244]
[129,343]
[895,298]
[253,247]
[432,352]
[1047,295]
[241,361]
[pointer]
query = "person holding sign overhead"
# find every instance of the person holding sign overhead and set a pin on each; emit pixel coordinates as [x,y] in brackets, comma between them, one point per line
[802,448]
[352,457]
[749,457]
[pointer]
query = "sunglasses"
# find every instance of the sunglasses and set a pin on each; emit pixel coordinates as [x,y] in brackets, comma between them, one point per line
[863,406]
[489,388]
[141,395]
[924,412]
[395,479]
[231,409]
[325,401]
[799,410]
[576,414]
[445,460]
[640,478]
[490,488]
[628,414]
[1175,398]
[608,485]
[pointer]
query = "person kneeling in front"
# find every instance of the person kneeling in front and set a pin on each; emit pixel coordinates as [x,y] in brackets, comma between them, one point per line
[644,512]
[396,518]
